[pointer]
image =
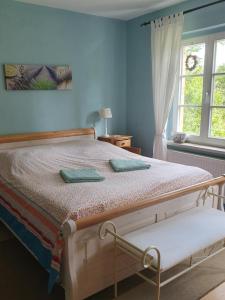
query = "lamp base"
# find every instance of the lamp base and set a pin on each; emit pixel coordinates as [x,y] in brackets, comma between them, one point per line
[105,135]
[106,129]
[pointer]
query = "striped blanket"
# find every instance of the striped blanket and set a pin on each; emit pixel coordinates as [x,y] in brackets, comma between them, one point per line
[20,215]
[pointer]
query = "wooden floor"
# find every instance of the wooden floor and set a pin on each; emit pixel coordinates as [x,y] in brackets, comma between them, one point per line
[216,294]
[22,278]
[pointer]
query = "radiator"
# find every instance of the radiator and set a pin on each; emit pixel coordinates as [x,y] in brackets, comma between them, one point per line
[213,165]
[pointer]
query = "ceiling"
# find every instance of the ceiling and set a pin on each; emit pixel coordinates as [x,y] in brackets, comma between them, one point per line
[119,9]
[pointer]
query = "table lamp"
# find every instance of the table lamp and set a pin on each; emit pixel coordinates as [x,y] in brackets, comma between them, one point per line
[105,113]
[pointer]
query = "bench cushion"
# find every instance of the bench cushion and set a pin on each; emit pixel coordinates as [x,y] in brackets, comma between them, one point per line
[181,236]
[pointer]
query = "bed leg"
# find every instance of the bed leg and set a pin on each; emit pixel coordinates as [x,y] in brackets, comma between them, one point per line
[70,277]
[115,272]
[158,293]
[221,201]
[158,275]
[158,286]
[191,259]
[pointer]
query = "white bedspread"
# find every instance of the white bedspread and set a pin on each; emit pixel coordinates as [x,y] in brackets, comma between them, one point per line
[34,171]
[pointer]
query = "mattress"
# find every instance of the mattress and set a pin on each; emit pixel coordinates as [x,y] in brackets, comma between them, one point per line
[36,202]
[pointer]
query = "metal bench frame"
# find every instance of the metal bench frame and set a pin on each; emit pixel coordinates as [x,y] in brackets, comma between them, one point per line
[145,258]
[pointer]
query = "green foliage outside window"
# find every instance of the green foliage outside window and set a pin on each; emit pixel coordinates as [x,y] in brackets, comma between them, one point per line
[192,96]
[218,114]
[190,117]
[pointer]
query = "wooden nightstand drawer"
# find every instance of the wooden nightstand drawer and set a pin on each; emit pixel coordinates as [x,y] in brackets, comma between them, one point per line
[123,143]
[135,150]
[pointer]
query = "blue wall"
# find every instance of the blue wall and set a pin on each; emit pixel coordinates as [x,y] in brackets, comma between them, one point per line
[111,63]
[94,47]
[140,116]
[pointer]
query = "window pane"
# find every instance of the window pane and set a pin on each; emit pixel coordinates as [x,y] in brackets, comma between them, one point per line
[218,122]
[190,120]
[219,90]
[220,57]
[193,59]
[191,92]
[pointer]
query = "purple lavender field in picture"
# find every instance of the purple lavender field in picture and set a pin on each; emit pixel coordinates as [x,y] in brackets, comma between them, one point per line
[38,77]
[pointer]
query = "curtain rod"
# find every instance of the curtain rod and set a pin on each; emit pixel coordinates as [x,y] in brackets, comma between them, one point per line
[190,10]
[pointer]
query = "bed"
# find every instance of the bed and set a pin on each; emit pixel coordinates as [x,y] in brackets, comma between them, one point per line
[58,222]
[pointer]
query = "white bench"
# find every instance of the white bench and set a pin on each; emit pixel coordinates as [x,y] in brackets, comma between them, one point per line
[163,245]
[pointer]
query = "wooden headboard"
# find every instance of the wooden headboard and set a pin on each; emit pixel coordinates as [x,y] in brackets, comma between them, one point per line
[25,137]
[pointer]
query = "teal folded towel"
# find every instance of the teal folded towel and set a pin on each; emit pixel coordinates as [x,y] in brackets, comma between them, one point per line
[124,165]
[80,175]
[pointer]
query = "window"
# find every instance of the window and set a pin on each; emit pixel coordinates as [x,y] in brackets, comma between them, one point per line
[217,105]
[201,104]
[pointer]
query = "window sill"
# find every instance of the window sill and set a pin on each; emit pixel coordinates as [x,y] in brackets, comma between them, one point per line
[198,149]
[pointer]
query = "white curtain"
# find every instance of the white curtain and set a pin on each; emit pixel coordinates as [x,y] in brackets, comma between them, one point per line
[165,49]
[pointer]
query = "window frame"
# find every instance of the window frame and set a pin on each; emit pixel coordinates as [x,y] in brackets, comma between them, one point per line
[207,93]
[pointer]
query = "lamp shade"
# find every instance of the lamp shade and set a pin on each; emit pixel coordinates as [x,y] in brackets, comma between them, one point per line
[105,113]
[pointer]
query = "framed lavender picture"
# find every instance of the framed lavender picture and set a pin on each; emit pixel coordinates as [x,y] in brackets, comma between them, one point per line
[37,77]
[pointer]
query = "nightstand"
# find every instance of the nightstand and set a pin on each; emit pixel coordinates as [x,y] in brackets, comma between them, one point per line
[118,140]
[122,141]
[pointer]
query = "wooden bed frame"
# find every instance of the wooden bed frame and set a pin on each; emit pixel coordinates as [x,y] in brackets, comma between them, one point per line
[46,135]
[88,262]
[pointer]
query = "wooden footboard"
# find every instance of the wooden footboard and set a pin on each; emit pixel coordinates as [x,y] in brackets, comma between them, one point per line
[117,212]
[88,262]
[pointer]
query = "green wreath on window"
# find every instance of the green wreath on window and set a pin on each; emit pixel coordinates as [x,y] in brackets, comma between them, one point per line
[191,62]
